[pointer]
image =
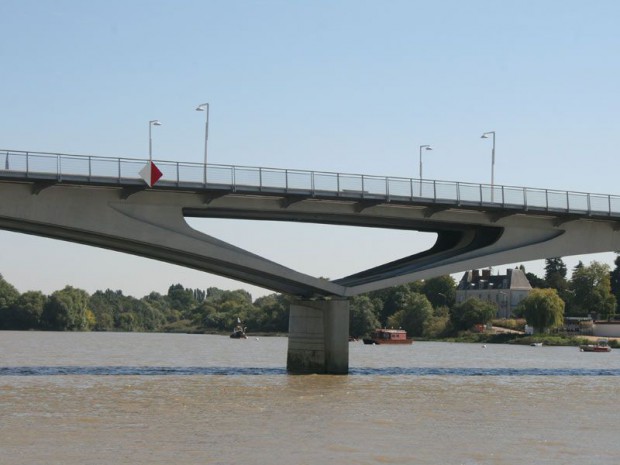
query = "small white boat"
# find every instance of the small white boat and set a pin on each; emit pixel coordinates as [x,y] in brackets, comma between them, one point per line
[536,344]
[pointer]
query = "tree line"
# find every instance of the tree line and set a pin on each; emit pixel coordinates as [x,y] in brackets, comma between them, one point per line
[424,308]
[592,291]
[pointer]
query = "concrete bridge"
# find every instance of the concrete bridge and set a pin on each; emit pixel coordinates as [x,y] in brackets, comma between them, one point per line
[102,201]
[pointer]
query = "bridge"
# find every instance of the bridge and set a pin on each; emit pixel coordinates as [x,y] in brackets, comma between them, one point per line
[102,201]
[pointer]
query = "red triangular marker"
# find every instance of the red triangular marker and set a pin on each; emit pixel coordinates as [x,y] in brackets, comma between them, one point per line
[150,173]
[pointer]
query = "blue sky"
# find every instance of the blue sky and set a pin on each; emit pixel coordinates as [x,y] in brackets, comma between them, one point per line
[348,86]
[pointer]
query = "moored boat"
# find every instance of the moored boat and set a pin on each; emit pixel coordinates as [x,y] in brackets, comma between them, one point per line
[388,336]
[239,331]
[602,345]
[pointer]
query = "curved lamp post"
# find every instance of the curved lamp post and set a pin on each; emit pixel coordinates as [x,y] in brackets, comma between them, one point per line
[205,107]
[486,136]
[422,147]
[151,124]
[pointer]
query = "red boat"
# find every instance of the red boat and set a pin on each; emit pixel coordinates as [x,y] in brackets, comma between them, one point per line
[388,336]
[602,345]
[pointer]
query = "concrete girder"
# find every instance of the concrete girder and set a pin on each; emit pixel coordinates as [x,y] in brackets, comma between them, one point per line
[151,223]
[96,217]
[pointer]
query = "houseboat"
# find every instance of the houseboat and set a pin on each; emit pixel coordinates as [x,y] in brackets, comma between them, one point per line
[388,336]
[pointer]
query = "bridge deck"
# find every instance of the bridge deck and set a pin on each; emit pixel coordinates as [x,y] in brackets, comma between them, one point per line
[83,169]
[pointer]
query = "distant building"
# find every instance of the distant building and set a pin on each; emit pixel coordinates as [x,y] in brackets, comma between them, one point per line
[606,329]
[505,291]
[579,325]
[586,326]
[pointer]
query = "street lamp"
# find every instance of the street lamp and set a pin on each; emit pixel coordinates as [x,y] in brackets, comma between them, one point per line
[205,107]
[486,136]
[151,124]
[425,147]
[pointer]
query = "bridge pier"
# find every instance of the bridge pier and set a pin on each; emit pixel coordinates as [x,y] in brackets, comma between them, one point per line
[318,337]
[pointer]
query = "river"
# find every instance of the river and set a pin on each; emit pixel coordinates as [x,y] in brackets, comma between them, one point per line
[125,398]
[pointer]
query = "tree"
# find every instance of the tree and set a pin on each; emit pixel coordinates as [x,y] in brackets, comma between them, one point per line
[161,304]
[66,310]
[393,300]
[181,299]
[555,273]
[535,281]
[8,293]
[272,313]
[25,312]
[106,306]
[614,277]
[472,312]
[438,323]
[592,291]
[440,291]
[542,309]
[362,316]
[413,315]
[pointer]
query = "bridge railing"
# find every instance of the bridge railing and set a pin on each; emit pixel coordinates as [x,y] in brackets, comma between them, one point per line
[109,170]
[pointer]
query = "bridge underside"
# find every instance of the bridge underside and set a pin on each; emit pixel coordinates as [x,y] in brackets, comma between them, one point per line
[151,223]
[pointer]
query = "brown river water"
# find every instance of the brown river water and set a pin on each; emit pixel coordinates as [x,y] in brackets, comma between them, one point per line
[122,398]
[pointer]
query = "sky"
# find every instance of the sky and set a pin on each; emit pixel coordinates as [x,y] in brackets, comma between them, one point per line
[343,86]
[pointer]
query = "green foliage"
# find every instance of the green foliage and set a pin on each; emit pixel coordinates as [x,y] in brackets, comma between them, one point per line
[614,277]
[555,273]
[592,291]
[543,309]
[8,293]
[25,312]
[115,312]
[392,300]
[271,313]
[363,316]
[438,324]
[416,310]
[181,299]
[423,308]
[66,310]
[472,312]
[440,291]
[535,281]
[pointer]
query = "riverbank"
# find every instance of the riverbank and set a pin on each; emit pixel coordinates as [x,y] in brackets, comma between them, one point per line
[521,339]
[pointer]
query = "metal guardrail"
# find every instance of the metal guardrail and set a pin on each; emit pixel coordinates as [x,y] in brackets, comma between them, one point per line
[107,170]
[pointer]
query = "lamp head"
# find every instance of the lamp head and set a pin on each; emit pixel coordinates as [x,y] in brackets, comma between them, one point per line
[202,107]
[155,122]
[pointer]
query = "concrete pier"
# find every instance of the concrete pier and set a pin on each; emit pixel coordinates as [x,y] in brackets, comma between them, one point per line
[318,337]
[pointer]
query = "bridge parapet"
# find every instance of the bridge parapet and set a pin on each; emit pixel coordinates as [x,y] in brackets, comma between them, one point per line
[59,167]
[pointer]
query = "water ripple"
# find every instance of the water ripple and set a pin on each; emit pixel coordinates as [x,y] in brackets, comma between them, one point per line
[467,371]
[136,371]
[265,371]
